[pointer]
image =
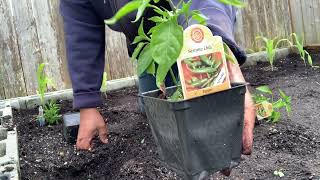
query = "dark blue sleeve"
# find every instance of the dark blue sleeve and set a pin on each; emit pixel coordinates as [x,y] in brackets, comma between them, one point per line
[221,20]
[85,46]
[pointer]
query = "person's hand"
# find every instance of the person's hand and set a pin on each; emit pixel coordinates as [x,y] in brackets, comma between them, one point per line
[91,123]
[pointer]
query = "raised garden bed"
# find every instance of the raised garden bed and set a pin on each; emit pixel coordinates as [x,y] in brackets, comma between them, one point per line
[292,145]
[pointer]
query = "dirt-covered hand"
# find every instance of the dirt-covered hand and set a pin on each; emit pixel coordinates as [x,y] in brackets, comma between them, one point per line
[91,123]
[236,75]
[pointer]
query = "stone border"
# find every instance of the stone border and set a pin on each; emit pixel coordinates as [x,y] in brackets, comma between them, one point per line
[254,58]
[9,157]
[29,102]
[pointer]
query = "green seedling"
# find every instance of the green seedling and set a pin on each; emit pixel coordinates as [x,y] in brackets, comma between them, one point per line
[271,45]
[278,173]
[267,107]
[298,42]
[165,36]
[103,88]
[236,3]
[43,82]
[51,113]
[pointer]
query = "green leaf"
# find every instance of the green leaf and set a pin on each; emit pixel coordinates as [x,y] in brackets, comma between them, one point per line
[236,3]
[141,35]
[275,117]
[137,51]
[161,12]
[264,89]
[152,69]
[152,29]
[198,16]
[138,39]
[278,104]
[309,58]
[229,57]
[185,9]
[145,59]
[157,19]
[166,42]
[141,30]
[125,10]
[282,94]
[103,87]
[142,7]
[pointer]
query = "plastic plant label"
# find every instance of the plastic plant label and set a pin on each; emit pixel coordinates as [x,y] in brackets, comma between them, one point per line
[264,110]
[202,63]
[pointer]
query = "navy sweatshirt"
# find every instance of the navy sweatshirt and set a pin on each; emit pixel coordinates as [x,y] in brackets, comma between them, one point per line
[85,39]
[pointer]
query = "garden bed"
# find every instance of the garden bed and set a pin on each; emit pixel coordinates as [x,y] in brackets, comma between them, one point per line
[292,145]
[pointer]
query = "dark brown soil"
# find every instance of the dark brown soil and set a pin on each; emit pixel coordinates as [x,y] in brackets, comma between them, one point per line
[292,146]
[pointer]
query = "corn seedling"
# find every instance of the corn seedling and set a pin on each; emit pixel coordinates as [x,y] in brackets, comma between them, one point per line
[267,107]
[271,45]
[298,42]
[103,88]
[151,45]
[51,113]
[43,82]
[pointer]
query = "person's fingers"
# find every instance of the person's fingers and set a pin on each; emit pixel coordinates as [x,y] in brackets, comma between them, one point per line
[103,133]
[84,143]
[249,121]
[247,142]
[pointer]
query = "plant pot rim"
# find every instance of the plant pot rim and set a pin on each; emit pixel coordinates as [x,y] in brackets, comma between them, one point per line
[234,86]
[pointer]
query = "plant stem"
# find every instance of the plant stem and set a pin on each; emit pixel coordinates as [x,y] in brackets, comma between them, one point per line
[172,5]
[180,2]
[173,77]
[155,7]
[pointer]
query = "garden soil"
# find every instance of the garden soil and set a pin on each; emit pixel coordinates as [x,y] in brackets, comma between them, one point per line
[291,146]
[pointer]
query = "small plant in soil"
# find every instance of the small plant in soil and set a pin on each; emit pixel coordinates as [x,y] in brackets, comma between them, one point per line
[298,42]
[271,45]
[278,173]
[165,36]
[51,110]
[52,113]
[267,107]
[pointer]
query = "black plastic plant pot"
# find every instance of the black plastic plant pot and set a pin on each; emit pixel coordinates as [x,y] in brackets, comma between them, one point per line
[199,136]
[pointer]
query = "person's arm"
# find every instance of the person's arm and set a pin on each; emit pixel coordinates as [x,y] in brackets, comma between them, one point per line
[221,20]
[85,47]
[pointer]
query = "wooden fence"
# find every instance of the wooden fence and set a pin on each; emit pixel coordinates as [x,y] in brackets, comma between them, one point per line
[31,32]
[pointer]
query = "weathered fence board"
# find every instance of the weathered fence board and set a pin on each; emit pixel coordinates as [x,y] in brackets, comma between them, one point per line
[262,18]
[48,41]
[32,32]
[117,59]
[28,42]
[11,73]
[305,19]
